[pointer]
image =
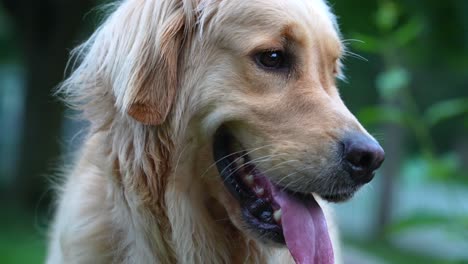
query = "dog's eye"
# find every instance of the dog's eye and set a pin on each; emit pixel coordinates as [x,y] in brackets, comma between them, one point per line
[271,60]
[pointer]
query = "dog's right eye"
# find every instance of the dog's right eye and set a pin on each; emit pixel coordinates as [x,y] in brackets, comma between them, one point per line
[272,60]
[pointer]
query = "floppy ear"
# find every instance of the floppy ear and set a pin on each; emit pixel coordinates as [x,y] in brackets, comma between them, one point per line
[143,40]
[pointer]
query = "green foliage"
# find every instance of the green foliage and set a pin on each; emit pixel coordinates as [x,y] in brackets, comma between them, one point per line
[394,82]
[373,115]
[443,110]
[8,51]
[387,15]
[390,83]
[455,226]
[425,219]
[408,32]
[395,32]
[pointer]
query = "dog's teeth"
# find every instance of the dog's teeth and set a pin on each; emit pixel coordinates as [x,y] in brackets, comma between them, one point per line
[249,179]
[259,191]
[277,216]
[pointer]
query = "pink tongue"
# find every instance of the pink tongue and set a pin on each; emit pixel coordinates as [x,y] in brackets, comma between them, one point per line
[304,229]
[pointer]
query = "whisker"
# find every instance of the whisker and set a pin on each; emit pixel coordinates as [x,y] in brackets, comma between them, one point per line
[257,160]
[222,219]
[345,41]
[294,173]
[178,159]
[279,165]
[232,154]
[354,55]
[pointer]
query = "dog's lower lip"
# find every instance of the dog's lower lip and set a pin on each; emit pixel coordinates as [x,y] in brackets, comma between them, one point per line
[339,197]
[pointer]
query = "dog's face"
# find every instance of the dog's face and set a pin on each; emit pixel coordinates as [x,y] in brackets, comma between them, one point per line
[274,114]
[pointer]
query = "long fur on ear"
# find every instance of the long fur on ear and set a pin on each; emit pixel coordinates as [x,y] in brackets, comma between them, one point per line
[147,85]
[134,55]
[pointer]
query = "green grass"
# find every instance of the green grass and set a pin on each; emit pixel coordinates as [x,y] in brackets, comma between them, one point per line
[21,240]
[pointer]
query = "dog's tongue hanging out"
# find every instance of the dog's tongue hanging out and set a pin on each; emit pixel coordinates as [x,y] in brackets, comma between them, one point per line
[304,229]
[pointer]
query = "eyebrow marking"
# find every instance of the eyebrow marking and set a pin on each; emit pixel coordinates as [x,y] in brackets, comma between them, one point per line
[292,32]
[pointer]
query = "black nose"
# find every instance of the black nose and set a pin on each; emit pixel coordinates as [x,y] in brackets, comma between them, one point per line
[363,155]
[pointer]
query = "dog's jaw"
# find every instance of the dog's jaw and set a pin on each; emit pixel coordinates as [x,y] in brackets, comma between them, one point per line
[272,212]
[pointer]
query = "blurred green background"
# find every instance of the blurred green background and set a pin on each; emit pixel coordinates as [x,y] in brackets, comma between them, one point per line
[407,68]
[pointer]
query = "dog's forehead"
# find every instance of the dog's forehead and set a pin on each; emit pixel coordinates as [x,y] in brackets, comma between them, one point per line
[299,19]
[287,7]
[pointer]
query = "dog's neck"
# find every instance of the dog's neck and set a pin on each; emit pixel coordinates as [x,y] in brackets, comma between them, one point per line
[201,229]
[177,215]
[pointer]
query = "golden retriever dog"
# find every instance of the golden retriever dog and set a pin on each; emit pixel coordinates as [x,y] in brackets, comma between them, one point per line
[217,134]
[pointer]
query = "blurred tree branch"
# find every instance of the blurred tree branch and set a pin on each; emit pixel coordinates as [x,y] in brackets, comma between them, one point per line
[46,31]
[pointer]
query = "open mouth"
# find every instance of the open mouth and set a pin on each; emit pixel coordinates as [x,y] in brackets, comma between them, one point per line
[246,183]
[271,211]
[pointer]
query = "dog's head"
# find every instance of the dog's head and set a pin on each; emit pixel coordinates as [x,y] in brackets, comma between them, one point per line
[280,130]
[256,82]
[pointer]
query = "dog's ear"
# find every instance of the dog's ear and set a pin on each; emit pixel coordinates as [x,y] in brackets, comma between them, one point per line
[144,39]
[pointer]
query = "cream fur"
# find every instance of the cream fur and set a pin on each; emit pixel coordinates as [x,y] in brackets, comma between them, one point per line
[155,81]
